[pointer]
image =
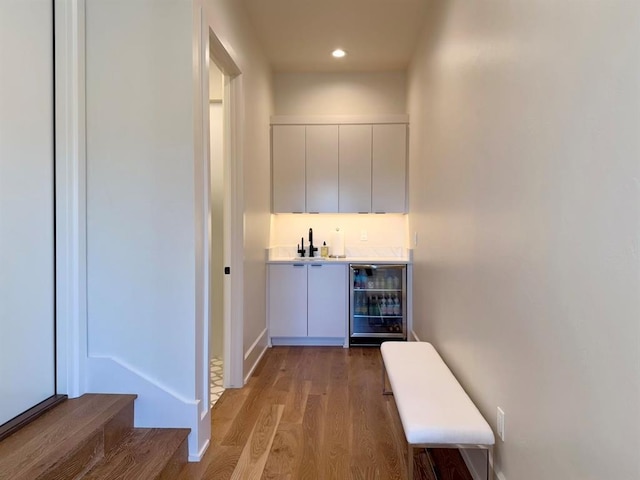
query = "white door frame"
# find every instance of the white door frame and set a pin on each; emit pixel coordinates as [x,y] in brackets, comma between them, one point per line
[233,202]
[71,199]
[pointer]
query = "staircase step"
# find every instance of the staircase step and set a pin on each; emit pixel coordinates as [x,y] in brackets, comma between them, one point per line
[145,453]
[68,440]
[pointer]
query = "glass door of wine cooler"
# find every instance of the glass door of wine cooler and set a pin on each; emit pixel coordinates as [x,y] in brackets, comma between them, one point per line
[377,304]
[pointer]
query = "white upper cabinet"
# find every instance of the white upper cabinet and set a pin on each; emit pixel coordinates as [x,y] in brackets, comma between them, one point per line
[355,168]
[322,168]
[288,168]
[350,167]
[388,181]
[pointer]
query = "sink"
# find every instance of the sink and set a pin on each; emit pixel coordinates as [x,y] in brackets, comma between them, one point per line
[307,259]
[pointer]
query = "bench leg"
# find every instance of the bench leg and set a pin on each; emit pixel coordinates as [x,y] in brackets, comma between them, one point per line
[490,463]
[385,382]
[431,464]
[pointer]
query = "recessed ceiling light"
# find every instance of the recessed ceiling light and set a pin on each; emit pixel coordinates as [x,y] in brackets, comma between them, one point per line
[338,53]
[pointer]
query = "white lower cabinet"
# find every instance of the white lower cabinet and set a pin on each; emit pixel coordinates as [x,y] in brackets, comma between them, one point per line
[308,303]
[327,293]
[288,300]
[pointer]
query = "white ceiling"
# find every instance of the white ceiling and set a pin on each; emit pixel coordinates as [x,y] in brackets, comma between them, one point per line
[299,35]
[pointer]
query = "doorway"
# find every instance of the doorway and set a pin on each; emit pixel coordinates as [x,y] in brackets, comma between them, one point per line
[216,232]
[222,83]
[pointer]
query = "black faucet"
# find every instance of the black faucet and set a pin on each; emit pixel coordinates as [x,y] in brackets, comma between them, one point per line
[312,249]
[301,250]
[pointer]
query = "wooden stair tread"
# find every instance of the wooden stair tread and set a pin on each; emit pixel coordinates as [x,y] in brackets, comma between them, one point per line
[149,453]
[45,444]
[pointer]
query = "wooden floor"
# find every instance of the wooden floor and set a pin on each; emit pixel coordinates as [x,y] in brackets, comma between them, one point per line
[314,413]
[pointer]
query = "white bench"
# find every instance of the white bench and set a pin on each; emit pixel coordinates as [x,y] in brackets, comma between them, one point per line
[434,409]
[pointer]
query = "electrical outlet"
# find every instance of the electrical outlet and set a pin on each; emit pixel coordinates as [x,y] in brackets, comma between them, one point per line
[501,423]
[363,236]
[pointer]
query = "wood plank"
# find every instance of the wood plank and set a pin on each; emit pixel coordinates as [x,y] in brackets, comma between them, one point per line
[254,455]
[335,422]
[225,411]
[144,453]
[286,452]
[296,402]
[319,370]
[218,464]
[312,435]
[63,439]
[336,447]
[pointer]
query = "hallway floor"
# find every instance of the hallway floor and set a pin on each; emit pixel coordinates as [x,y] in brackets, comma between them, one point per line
[216,369]
[314,413]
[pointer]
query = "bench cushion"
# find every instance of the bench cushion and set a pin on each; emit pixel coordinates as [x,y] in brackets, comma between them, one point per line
[433,407]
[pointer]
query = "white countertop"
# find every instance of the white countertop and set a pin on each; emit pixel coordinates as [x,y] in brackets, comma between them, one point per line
[348,260]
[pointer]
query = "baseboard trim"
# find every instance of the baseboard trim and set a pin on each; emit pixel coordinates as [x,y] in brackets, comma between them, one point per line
[308,341]
[255,364]
[254,345]
[200,454]
[254,354]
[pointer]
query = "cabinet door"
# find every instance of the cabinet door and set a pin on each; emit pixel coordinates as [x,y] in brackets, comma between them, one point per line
[389,167]
[322,168]
[355,168]
[288,168]
[287,300]
[327,300]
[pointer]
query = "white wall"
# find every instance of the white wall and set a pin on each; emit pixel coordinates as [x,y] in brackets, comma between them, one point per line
[230,23]
[525,159]
[141,216]
[340,93]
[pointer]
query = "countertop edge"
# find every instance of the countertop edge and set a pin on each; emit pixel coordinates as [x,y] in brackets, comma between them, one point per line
[345,261]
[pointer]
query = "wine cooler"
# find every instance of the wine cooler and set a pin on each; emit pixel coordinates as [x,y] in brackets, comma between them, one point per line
[378,304]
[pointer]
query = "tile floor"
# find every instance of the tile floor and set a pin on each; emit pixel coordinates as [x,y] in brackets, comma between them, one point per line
[215,368]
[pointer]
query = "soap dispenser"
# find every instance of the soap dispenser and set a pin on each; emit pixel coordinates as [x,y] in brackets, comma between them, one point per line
[324,250]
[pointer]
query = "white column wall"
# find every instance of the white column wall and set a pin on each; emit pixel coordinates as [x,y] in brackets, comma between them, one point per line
[145,152]
[525,159]
[141,226]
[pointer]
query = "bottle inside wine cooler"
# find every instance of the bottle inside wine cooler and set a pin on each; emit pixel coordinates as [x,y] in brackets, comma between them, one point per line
[396,305]
[389,282]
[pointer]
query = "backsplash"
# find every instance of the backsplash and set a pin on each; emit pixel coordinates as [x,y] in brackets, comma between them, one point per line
[386,235]
[381,230]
